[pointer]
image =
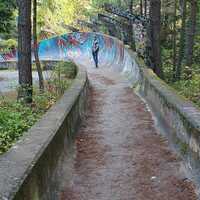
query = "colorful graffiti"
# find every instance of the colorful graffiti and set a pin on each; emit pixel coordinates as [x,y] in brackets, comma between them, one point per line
[77,47]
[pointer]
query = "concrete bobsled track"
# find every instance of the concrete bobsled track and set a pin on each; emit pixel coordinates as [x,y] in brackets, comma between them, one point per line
[117,152]
[77,47]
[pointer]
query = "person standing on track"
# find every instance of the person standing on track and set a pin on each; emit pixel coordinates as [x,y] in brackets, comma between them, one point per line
[95,50]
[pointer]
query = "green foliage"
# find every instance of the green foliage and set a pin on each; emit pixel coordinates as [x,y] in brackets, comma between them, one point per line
[17,117]
[189,88]
[98,3]
[167,64]
[189,85]
[53,14]
[67,69]
[43,101]
[6,15]
[196,56]
[184,148]
[63,74]
[7,45]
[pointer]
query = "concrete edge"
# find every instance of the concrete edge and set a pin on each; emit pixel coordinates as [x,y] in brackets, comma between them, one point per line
[179,116]
[18,163]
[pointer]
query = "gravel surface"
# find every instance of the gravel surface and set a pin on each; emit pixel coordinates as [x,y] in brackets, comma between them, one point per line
[119,153]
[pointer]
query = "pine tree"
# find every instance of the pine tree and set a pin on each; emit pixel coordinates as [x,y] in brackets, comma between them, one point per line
[191,34]
[35,41]
[155,26]
[182,40]
[24,50]
[174,41]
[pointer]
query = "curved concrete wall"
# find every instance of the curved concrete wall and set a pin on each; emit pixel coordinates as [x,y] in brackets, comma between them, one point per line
[176,117]
[78,47]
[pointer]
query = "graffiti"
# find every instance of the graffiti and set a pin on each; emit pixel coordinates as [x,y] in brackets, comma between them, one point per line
[76,46]
[8,56]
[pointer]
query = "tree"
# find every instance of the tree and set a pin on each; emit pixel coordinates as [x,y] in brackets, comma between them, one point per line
[35,41]
[174,42]
[155,26]
[182,40]
[24,50]
[130,6]
[145,8]
[191,33]
[132,38]
[6,15]
[52,14]
[141,7]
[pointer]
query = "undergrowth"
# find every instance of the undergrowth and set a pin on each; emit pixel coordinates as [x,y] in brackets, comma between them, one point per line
[16,117]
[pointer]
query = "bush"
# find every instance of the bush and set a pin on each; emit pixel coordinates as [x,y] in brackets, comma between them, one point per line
[67,69]
[17,117]
[8,45]
[189,88]
[62,77]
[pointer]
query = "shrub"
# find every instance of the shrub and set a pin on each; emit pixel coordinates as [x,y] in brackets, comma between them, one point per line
[17,117]
[189,88]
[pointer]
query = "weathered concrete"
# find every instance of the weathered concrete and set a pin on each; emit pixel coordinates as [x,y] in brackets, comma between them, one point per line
[178,117]
[31,168]
[120,154]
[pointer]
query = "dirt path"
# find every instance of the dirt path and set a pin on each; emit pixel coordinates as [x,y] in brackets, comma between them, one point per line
[120,155]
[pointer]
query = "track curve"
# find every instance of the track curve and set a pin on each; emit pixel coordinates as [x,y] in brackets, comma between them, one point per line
[77,47]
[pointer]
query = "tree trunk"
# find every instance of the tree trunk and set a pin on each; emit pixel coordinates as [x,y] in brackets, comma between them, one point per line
[155,26]
[141,7]
[37,61]
[24,51]
[174,41]
[145,8]
[182,42]
[130,6]
[131,30]
[191,34]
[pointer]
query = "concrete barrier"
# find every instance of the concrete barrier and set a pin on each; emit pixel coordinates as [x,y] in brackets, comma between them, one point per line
[178,118]
[31,169]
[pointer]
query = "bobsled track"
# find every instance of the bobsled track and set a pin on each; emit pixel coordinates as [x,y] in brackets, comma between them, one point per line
[117,152]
